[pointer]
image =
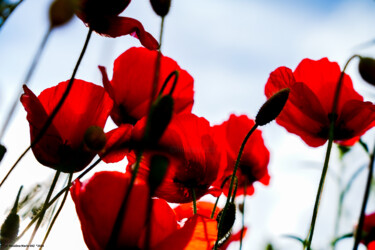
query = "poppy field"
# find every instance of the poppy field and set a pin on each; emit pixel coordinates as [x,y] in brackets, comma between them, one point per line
[149,133]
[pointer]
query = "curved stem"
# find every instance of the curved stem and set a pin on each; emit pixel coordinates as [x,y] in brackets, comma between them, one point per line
[328,152]
[55,110]
[45,206]
[358,234]
[232,181]
[175,74]
[28,76]
[57,212]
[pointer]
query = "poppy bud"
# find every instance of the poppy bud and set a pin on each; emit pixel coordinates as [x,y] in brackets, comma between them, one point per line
[161,7]
[95,138]
[61,11]
[227,222]
[11,225]
[160,116]
[158,168]
[3,150]
[366,68]
[272,107]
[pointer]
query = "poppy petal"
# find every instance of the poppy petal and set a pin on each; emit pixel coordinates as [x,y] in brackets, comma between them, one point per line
[117,147]
[46,150]
[120,26]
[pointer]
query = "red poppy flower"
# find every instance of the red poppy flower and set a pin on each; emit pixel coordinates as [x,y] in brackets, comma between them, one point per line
[132,82]
[307,111]
[198,232]
[98,201]
[196,160]
[102,17]
[62,147]
[255,157]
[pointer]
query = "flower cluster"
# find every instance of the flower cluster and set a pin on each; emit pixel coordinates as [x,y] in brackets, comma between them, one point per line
[168,153]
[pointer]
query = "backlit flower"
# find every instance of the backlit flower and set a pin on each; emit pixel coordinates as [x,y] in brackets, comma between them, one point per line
[102,17]
[62,147]
[198,232]
[254,159]
[98,201]
[131,85]
[307,112]
[196,159]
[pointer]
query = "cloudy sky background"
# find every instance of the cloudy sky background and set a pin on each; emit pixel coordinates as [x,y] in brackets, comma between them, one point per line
[230,48]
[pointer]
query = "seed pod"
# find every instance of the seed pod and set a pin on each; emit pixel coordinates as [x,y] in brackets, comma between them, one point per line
[366,68]
[158,168]
[61,11]
[227,222]
[3,150]
[272,107]
[160,116]
[11,225]
[161,7]
[95,138]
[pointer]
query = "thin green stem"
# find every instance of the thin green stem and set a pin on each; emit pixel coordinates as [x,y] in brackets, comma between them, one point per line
[213,210]
[332,117]
[54,199]
[194,201]
[55,110]
[243,214]
[220,226]
[28,76]
[122,211]
[57,212]
[358,234]
[320,189]
[45,206]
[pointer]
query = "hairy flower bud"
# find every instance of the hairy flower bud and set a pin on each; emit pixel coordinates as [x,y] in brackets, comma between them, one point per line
[366,68]
[95,138]
[11,225]
[61,11]
[161,7]
[272,107]
[227,222]
[3,150]
[160,116]
[158,168]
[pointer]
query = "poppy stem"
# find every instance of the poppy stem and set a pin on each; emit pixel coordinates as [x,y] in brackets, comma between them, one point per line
[57,212]
[220,226]
[55,110]
[28,76]
[157,65]
[122,211]
[243,213]
[235,188]
[328,152]
[358,234]
[213,210]
[45,206]
[194,200]
[54,199]
[176,74]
